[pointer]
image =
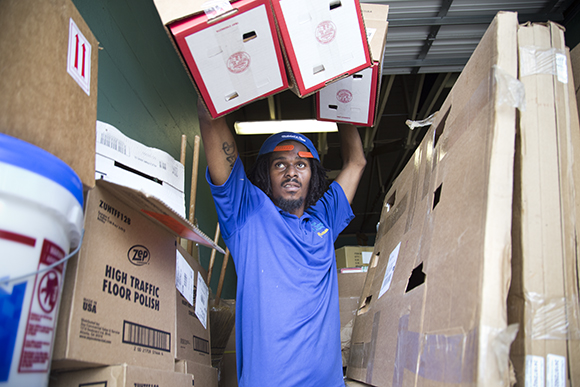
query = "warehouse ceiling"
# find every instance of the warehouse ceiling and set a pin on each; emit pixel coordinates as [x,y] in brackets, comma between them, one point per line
[428,44]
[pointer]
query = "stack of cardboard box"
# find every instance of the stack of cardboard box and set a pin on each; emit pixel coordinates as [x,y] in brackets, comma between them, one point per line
[133,298]
[133,309]
[239,51]
[474,216]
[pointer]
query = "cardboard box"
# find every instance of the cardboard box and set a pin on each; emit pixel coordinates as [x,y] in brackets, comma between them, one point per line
[544,254]
[575,60]
[203,375]
[355,98]
[234,55]
[49,62]
[121,375]
[228,371]
[537,243]
[147,179]
[433,308]
[118,300]
[323,41]
[353,256]
[350,286]
[192,330]
[124,161]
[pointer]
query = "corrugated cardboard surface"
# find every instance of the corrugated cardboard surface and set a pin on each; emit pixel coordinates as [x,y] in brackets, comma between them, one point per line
[538,293]
[192,339]
[118,302]
[441,318]
[203,375]
[40,102]
[121,376]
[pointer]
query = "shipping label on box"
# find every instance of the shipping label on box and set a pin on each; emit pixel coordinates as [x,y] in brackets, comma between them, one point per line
[322,40]
[119,294]
[234,60]
[192,317]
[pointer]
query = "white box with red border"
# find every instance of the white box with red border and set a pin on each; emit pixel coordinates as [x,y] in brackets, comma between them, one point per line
[351,100]
[235,57]
[354,99]
[323,41]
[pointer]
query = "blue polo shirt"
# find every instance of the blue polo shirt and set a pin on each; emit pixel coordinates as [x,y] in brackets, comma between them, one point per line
[287,312]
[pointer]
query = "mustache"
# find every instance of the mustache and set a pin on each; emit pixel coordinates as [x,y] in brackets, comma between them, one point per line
[292,180]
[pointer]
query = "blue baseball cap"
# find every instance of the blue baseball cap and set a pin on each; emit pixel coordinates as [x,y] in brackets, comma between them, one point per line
[271,144]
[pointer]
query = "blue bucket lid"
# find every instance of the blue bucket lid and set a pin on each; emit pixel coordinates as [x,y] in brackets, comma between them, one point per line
[25,155]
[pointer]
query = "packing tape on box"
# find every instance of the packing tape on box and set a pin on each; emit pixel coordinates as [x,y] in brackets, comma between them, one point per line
[510,91]
[547,317]
[552,61]
[449,359]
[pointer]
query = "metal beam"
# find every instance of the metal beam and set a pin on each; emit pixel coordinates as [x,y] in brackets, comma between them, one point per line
[466,20]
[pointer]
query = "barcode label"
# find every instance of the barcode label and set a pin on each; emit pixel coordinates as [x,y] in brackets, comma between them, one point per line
[146,337]
[163,165]
[113,143]
[200,345]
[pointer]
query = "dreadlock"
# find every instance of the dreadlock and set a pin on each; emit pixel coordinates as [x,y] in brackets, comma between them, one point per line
[259,175]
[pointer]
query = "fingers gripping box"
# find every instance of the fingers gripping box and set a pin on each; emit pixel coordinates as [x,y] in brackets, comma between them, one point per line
[235,57]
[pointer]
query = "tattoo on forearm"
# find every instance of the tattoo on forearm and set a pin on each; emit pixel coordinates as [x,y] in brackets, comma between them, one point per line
[230,152]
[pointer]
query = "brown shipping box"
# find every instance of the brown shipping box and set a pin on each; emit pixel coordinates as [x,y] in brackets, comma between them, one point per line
[49,62]
[543,230]
[350,286]
[433,307]
[203,375]
[118,300]
[353,256]
[121,375]
[192,340]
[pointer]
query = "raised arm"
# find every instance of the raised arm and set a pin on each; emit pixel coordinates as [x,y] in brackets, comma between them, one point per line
[219,145]
[353,159]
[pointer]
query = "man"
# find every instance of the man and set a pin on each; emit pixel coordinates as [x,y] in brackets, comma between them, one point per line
[280,226]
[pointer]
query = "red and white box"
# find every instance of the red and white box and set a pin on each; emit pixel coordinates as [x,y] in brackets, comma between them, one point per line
[351,99]
[323,40]
[354,99]
[234,55]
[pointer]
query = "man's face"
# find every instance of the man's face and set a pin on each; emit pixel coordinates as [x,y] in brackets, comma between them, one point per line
[290,177]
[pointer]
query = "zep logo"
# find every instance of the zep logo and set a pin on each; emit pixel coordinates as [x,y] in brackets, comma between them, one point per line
[139,255]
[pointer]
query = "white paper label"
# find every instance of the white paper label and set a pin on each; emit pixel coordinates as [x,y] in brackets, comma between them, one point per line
[79,57]
[366,257]
[534,371]
[556,371]
[390,270]
[184,278]
[216,8]
[201,300]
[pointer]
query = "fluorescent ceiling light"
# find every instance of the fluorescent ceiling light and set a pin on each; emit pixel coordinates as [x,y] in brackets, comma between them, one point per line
[275,126]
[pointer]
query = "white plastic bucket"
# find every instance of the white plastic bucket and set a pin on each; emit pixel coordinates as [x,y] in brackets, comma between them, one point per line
[41,218]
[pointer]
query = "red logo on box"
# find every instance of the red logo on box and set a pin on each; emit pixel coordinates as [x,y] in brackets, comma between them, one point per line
[325,32]
[344,96]
[238,62]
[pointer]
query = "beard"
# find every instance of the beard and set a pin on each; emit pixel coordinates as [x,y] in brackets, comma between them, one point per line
[289,205]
